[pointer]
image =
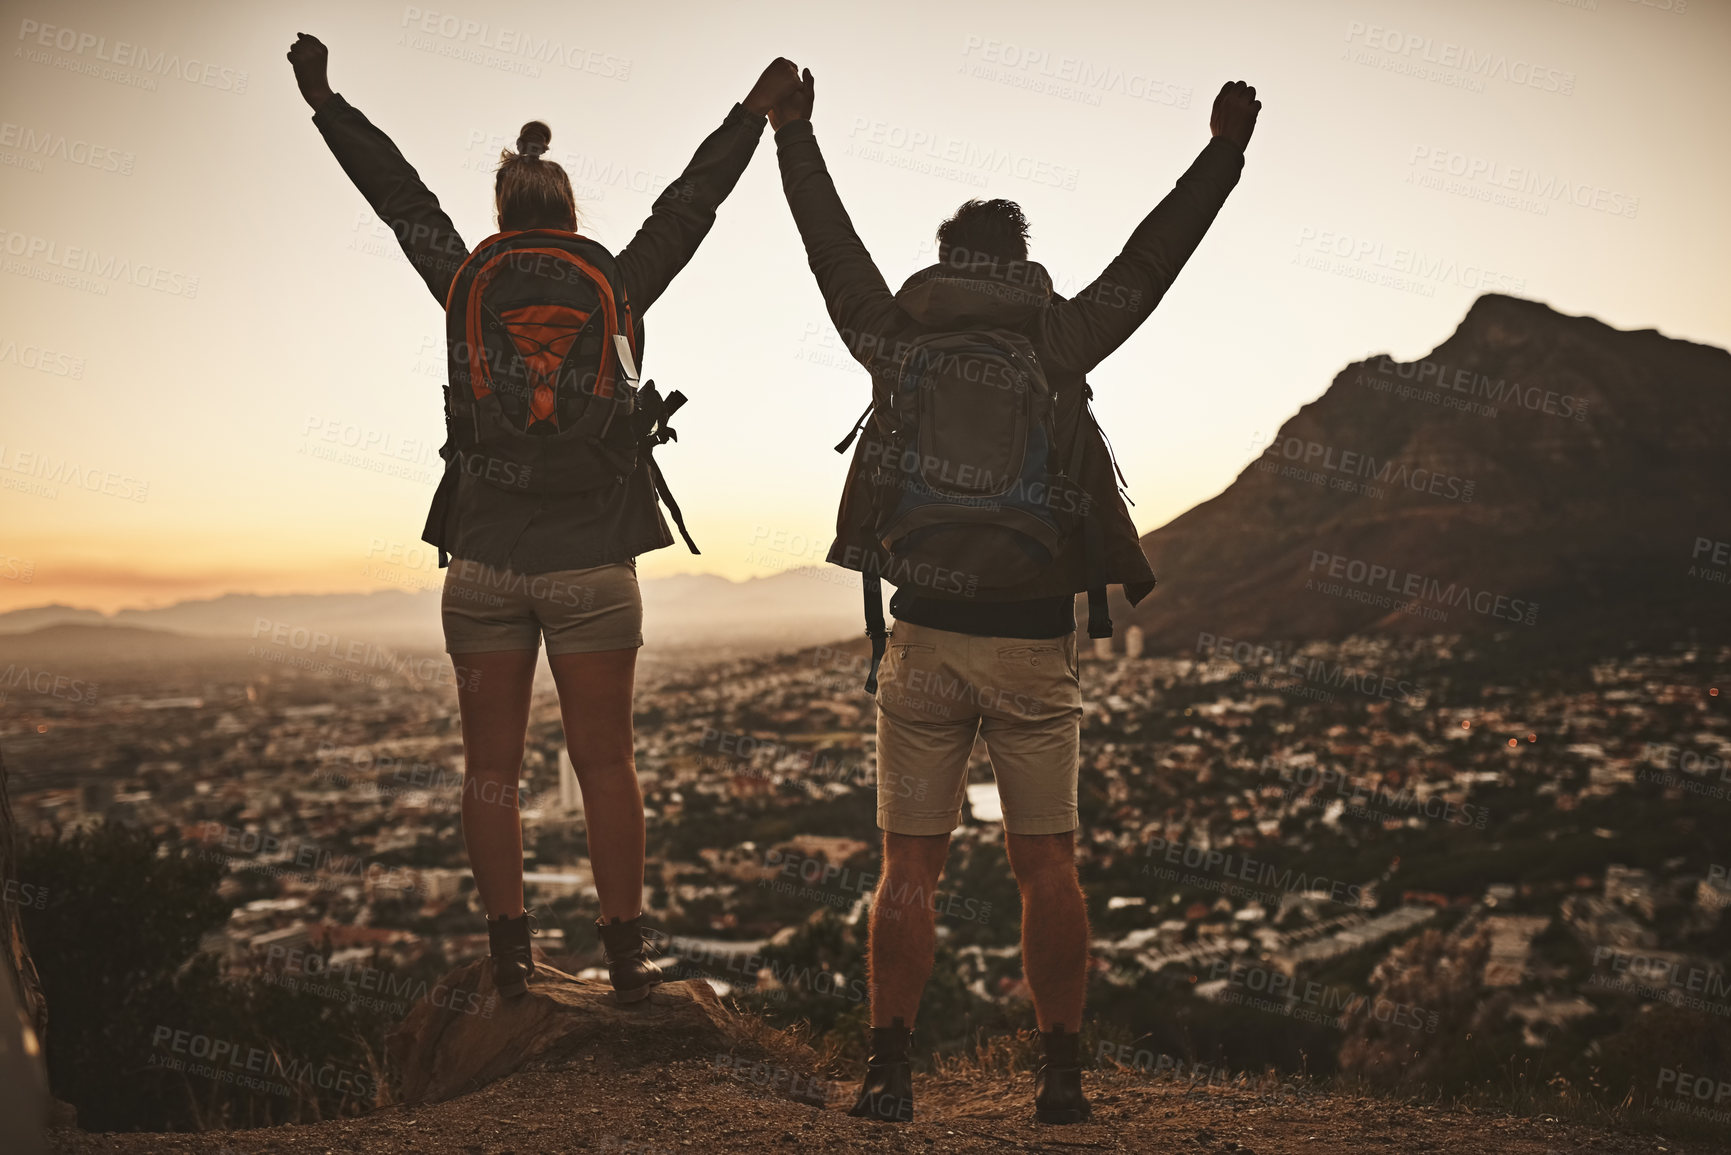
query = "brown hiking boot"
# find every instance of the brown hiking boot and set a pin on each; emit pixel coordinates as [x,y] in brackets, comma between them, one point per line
[888,1092]
[628,965]
[513,956]
[1058,1096]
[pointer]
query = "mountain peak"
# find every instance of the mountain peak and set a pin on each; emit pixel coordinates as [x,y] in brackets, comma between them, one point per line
[1533,467]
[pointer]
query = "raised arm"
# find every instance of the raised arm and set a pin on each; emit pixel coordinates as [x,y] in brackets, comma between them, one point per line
[384,177]
[860,303]
[1082,331]
[685,210]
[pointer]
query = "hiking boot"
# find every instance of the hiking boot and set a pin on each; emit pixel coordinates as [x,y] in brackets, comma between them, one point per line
[888,1092]
[628,965]
[513,957]
[1058,1094]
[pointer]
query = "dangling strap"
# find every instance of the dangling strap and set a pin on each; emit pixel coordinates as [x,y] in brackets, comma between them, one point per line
[660,434]
[1093,533]
[873,588]
[1093,542]
[666,497]
[854,432]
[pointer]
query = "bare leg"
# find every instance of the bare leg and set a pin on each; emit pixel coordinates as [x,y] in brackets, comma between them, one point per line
[902,924]
[595,702]
[493,697]
[1054,926]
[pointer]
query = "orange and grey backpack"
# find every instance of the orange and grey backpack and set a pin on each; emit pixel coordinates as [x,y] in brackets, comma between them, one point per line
[542,396]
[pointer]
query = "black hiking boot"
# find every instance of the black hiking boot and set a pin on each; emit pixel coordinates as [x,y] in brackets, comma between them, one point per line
[628,965]
[1058,1094]
[888,1092]
[513,957]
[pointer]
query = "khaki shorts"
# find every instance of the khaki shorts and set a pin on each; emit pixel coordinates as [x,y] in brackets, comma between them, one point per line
[938,689]
[581,611]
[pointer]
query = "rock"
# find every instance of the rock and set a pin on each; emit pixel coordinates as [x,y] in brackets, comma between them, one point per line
[462,1035]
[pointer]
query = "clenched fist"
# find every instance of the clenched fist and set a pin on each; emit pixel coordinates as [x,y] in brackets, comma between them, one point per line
[309,57]
[1234,115]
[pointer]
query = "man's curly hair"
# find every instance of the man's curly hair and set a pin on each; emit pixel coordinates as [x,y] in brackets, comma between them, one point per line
[994,230]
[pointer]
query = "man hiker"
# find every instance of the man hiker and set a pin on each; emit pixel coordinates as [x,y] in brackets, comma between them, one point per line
[983,490]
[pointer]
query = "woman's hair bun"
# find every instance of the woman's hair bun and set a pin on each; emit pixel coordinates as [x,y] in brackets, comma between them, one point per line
[534,139]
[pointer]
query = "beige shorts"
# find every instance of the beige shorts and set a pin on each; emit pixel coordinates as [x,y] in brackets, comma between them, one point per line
[937,690]
[582,611]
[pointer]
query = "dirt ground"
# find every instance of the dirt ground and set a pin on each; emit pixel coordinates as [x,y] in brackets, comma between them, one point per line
[691,1106]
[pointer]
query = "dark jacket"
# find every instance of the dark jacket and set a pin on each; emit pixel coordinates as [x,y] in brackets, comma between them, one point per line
[469,518]
[1069,336]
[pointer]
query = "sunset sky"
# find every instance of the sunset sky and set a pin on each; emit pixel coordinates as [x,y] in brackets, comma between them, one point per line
[219,374]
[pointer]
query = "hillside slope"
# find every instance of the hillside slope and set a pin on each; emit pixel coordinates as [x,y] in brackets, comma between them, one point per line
[1567,468]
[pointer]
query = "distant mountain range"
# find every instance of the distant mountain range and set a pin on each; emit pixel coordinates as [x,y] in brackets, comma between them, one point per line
[1537,474]
[799,607]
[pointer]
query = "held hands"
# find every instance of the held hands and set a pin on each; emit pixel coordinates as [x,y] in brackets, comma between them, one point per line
[780,78]
[795,105]
[1235,111]
[309,57]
